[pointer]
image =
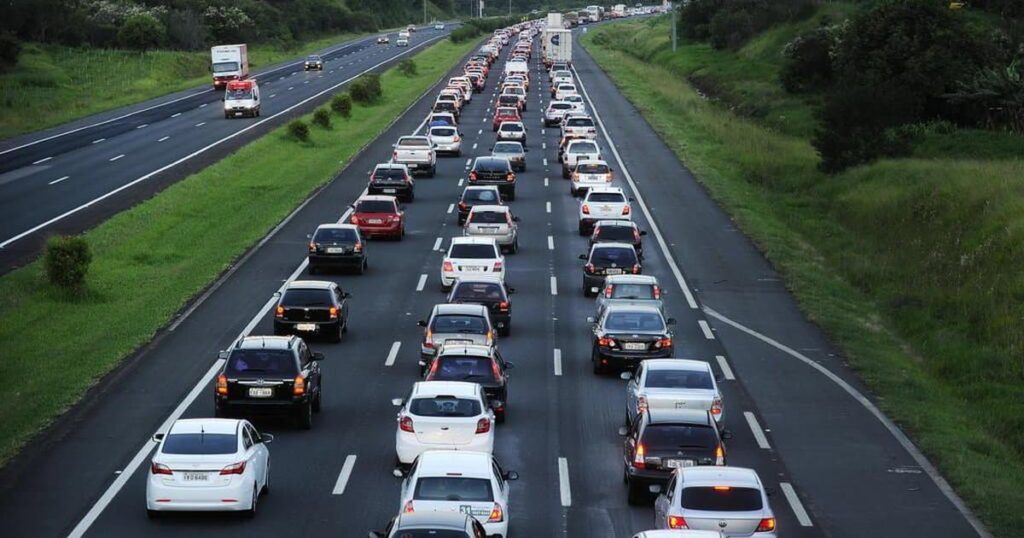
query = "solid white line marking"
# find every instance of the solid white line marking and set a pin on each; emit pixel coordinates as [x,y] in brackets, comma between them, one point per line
[162,139]
[563,482]
[143,126]
[451,207]
[547,206]
[437,243]
[40,161]
[726,370]
[392,354]
[558,361]
[116,158]
[554,286]
[98,140]
[690,300]
[551,243]
[762,441]
[706,329]
[795,504]
[545,182]
[346,472]
[200,124]
[58,180]
[176,114]
[203,105]
[421,283]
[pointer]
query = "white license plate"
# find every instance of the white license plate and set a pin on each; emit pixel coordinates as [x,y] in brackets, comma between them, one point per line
[678,464]
[195,477]
[389,191]
[238,113]
[613,271]
[305,327]
[634,346]
[261,392]
[335,250]
[374,221]
[473,269]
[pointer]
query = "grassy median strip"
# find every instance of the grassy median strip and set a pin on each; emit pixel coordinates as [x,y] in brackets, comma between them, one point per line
[151,260]
[910,265]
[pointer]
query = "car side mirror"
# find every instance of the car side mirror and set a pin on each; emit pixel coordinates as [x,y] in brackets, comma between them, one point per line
[223,355]
[345,295]
[318,356]
[670,321]
[583,257]
[510,476]
[266,438]
[726,434]
[515,219]
[510,291]
[626,376]
[631,199]
[591,319]
[398,402]
[157,437]
[421,323]
[461,133]
[509,365]
[399,473]
[623,431]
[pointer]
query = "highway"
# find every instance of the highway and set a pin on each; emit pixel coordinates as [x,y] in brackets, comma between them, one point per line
[799,416]
[72,177]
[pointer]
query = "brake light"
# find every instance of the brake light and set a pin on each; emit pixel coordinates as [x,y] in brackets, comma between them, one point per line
[456,138]
[462,205]
[641,404]
[608,291]
[483,425]
[766,525]
[625,210]
[636,234]
[663,343]
[721,488]
[312,246]
[677,522]
[433,368]
[447,267]
[497,515]
[575,176]
[657,292]
[586,209]
[354,219]
[510,176]
[636,269]
[497,266]
[222,384]
[716,406]
[159,468]
[503,306]
[408,508]
[495,371]
[279,312]
[405,424]
[394,156]
[472,176]
[719,455]
[358,247]
[334,312]
[606,341]
[299,388]
[638,457]
[234,468]
[589,268]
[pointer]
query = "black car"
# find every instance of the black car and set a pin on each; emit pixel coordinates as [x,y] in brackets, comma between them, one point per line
[313,308]
[660,441]
[624,335]
[269,375]
[608,259]
[476,364]
[494,171]
[483,195]
[394,180]
[619,231]
[337,246]
[314,61]
[490,292]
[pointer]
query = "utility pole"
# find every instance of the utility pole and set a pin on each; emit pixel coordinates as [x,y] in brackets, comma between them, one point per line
[509,8]
[424,11]
[672,13]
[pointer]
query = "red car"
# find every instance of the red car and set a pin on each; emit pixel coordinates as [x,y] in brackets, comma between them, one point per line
[378,216]
[503,114]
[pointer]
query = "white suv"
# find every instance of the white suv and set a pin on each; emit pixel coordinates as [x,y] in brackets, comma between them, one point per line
[471,256]
[581,149]
[578,125]
[451,415]
[603,203]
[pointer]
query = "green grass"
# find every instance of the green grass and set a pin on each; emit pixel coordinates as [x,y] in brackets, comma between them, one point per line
[53,84]
[912,266]
[150,260]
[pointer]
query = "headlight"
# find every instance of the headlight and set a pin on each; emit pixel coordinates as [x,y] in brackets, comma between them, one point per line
[227,105]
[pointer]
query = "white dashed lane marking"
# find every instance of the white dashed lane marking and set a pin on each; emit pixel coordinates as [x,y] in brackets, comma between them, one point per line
[423,282]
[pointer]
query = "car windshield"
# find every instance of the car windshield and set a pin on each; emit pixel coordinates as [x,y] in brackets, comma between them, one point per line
[200,443]
[506,98]
[224,67]
[306,298]
[672,436]
[585,147]
[487,217]
[266,362]
[511,127]
[634,321]
[442,131]
[444,406]
[238,94]
[477,291]
[389,173]
[614,197]
[472,251]
[592,168]
[632,291]
[721,499]
[335,235]
[618,256]
[480,195]
[508,147]
[313,59]
[454,323]
[678,379]
[375,206]
[414,142]
[453,488]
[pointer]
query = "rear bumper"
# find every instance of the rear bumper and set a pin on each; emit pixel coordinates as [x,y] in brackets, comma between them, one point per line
[396,190]
[375,230]
[629,359]
[289,327]
[233,497]
[260,407]
[340,260]
[647,477]
[408,448]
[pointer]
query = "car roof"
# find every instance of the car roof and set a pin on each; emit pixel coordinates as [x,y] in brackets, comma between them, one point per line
[676,364]
[337,226]
[460,308]
[205,425]
[720,476]
[439,388]
[376,198]
[310,285]
[474,241]
[266,342]
[631,279]
[455,463]
[432,520]
[495,208]
[618,307]
[581,139]
[680,416]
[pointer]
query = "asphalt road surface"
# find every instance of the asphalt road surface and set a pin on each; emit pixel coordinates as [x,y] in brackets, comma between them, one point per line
[835,467]
[72,177]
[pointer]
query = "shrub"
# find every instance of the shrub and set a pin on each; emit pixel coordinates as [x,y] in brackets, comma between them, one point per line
[10,48]
[141,32]
[299,130]
[407,68]
[67,261]
[322,117]
[342,104]
[730,29]
[366,89]
[856,126]
[808,64]
[464,33]
[695,18]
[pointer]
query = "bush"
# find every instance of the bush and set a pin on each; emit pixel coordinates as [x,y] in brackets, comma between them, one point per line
[299,130]
[695,18]
[464,33]
[342,104]
[808,64]
[141,32]
[856,126]
[366,89]
[407,68]
[10,48]
[322,117]
[67,261]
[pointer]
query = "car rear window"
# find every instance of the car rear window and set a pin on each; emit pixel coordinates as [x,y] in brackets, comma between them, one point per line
[507,111]
[508,147]
[375,206]
[478,291]
[580,122]
[508,99]
[453,488]
[561,106]
[606,197]
[413,142]
[672,436]
[488,217]
[513,127]
[335,235]
[721,499]
[301,297]
[621,257]
[586,147]
[200,443]
[389,173]
[480,195]
[266,362]
[475,252]
[444,406]
[678,379]
[632,291]
[442,131]
[634,321]
[491,165]
[592,168]
[615,233]
[453,323]
[476,369]
[430,533]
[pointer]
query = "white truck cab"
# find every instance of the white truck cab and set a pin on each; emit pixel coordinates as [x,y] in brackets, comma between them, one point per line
[241,98]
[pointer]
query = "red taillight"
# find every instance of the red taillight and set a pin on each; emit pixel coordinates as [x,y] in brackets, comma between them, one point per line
[636,269]
[462,205]
[636,234]
[334,312]
[312,246]
[657,292]
[497,515]
[625,210]
[483,425]
[433,365]
[719,455]
[495,371]
[354,219]
[299,388]
[408,508]
[677,522]
[663,343]
[447,267]
[159,468]
[405,424]
[472,176]
[586,209]
[510,176]
[716,406]
[606,341]
[641,404]
[589,268]
[608,291]
[766,525]
[279,312]
[234,468]
[638,457]
[394,156]
[497,266]
[222,385]
[358,247]
[503,306]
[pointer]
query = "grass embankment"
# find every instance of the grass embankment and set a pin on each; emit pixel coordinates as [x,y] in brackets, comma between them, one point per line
[911,265]
[53,84]
[150,260]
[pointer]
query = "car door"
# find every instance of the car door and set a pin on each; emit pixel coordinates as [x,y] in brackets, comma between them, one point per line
[501,487]
[310,369]
[251,456]
[262,453]
[341,298]
[663,502]
[633,391]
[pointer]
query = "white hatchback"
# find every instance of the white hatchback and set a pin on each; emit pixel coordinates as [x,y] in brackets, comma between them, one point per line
[469,257]
[731,500]
[451,415]
[603,203]
[208,464]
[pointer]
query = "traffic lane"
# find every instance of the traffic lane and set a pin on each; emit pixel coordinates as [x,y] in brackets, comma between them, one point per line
[732,277]
[127,406]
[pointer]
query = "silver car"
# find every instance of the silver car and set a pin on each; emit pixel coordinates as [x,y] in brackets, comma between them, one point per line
[630,290]
[446,140]
[466,323]
[496,222]
[513,151]
[731,500]
[555,111]
[671,384]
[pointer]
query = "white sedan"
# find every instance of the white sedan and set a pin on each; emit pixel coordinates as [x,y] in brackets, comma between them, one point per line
[208,464]
[471,256]
[451,415]
[673,384]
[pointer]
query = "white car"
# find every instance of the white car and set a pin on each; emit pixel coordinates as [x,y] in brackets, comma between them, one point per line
[731,500]
[558,75]
[416,152]
[580,149]
[208,464]
[459,481]
[576,101]
[452,415]
[439,26]
[579,125]
[673,384]
[446,140]
[562,90]
[471,256]
[603,203]
[555,111]
[402,42]
[496,222]
[589,174]
[512,130]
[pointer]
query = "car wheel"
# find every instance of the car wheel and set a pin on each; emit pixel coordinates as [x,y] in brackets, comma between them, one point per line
[251,512]
[319,395]
[152,514]
[634,495]
[266,481]
[583,229]
[305,416]
[506,330]
[433,171]
[336,335]
[565,173]
[598,369]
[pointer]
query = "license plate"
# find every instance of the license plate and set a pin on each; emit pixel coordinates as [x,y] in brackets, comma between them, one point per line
[389,191]
[613,271]
[473,269]
[678,464]
[489,228]
[374,221]
[335,250]
[634,346]
[680,405]
[195,477]
[238,113]
[305,327]
[261,392]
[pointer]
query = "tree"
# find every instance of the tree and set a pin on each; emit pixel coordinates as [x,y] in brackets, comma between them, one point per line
[141,32]
[67,261]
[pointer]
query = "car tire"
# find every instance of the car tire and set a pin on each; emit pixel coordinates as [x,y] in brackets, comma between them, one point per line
[634,495]
[598,369]
[565,173]
[152,514]
[336,335]
[582,228]
[266,481]
[319,395]
[506,330]
[304,416]
[251,512]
